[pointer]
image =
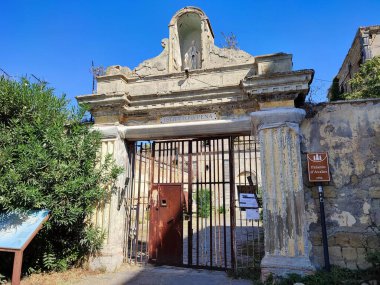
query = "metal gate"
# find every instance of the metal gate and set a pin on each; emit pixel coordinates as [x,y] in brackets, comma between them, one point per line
[216,232]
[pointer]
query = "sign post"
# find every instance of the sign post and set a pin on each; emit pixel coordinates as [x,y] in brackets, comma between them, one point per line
[318,169]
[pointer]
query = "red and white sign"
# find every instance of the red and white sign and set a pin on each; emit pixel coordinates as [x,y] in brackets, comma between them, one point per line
[318,167]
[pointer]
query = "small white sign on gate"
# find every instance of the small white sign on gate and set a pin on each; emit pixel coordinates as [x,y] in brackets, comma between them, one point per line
[248,200]
[252,214]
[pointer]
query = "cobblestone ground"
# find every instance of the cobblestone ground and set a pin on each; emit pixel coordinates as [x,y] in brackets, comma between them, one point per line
[162,275]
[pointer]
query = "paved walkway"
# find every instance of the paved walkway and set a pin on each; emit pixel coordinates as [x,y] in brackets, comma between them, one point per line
[162,275]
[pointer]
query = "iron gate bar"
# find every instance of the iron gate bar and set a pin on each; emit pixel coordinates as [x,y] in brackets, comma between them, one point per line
[159,165]
[247,222]
[224,206]
[250,171]
[239,171]
[144,209]
[197,203]
[153,159]
[214,200]
[232,202]
[131,199]
[203,177]
[138,204]
[127,220]
[189,201]
[209,179]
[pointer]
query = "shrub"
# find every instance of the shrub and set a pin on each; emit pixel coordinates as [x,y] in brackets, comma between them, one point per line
[48,160]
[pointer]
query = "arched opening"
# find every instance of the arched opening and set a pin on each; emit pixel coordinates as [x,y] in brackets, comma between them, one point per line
[189,31]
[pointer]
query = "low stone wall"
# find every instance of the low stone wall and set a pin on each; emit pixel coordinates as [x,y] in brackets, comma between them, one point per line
[350,133]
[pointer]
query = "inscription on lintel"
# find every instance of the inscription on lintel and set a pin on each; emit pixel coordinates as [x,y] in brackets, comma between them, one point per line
[188,118]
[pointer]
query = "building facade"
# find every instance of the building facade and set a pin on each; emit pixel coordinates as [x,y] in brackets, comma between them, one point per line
[365,46]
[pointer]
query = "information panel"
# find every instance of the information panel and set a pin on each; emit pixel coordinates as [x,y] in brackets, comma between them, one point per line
[16,228]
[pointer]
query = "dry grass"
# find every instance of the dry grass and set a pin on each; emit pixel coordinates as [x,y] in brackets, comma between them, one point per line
[57,278]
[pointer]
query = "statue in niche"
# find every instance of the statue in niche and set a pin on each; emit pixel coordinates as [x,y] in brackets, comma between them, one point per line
[191,59]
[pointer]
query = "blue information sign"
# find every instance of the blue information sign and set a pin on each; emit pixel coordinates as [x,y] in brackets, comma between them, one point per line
[16,228]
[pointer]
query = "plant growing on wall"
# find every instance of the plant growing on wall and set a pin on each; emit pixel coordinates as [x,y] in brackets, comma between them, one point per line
[230,41]
[335,93]
[366,82]
[203,203]
[48,160]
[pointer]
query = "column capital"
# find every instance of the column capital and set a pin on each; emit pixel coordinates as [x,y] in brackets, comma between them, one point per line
[277,116]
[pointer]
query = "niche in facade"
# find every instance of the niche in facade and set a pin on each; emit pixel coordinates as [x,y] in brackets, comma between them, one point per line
[189,31]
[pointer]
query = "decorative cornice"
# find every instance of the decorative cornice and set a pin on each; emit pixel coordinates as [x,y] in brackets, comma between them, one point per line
[104,100]
[278,86]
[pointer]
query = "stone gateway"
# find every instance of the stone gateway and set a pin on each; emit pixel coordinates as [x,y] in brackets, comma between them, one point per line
[194,99]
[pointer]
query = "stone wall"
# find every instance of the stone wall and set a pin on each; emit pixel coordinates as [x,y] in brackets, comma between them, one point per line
[350,133]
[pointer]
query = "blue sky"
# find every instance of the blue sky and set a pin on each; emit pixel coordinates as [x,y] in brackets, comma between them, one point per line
[57,40]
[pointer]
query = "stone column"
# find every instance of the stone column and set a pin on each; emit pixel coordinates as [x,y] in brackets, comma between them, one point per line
[110,215]
[286,237]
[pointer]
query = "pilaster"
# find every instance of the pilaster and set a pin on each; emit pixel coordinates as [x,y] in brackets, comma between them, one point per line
[286,237]
[109,215]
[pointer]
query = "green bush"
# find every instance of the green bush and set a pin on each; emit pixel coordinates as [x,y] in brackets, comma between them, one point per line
[48,160]
[203,203]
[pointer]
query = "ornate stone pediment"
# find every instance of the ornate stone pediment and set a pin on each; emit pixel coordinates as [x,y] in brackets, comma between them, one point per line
[191,75]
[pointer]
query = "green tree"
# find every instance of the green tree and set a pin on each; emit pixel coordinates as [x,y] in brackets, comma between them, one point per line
[366,82]
[48,160]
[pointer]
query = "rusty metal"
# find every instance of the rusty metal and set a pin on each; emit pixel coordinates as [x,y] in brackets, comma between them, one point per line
[166,225]
[232,202]
[190,201]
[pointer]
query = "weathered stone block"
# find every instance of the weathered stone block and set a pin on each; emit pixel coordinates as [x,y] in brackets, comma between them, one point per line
[349,253]
[335,253]
[330,192]
[339,262]
[342,239]
[331,241]
[356,239]
[354,179]
[374,192]
[351,265]
[317,256]
[373,242]
[361,261]
[316,239]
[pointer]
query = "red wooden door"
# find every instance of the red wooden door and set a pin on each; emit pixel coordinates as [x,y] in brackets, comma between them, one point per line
[166,225]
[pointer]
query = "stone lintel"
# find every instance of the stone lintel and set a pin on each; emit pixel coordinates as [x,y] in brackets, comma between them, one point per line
[241,125]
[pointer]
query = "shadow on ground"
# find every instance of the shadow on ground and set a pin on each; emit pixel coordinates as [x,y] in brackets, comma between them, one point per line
[162,275]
